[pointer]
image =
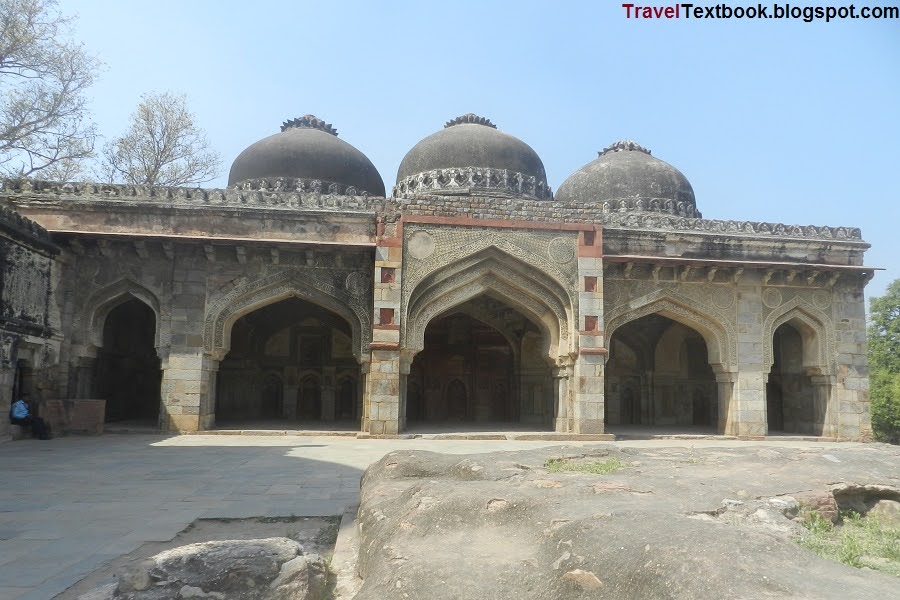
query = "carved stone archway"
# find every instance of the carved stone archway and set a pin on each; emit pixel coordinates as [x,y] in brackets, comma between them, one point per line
[719,333]
[503,277]
[103,301]
[815,329]
[252,296]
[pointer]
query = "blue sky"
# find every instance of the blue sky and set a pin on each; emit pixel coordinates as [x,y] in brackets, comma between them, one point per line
[779,121]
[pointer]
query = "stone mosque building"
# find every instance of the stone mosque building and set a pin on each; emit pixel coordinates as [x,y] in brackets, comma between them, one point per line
[469,296]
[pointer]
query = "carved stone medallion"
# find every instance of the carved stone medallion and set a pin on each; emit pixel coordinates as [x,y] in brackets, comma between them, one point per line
[723,297]
[561,250]
[772,298]
[355,284]
[612,292]
[420,245]
[821,299]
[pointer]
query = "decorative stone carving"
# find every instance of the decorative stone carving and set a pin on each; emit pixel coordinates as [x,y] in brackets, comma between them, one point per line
[470,118]
[562,249]
[309,122]
[355,283]
[624,145]
[723,297]
[471,179]
[771,298]
[306,284]
[821,299]
[804,312]
[420,245]
[718,330]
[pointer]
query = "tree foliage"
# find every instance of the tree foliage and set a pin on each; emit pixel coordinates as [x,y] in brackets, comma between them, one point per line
[44,122]
[162,146]
[884,364]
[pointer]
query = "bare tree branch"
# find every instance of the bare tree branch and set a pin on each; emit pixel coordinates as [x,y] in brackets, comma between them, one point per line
[44,121]
[162,146]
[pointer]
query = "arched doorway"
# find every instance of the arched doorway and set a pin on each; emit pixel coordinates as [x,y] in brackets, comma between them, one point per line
[790,394]
[128,374]
[658,376]
[483,364]
[289,365]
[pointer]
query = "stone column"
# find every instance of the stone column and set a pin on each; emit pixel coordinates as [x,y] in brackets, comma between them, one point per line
[826,409]
[383,381]
[328,384]
[562,419]
[7,381]
[725,384]
[383,391]
[747,410]
[588,413]
[188,390]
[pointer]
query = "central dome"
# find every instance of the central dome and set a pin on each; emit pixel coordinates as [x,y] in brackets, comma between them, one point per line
[625,178]
[309,155]
[470,155]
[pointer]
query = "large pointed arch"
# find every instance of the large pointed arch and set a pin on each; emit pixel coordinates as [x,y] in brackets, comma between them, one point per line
[719,333]
[815,329]
[492,272]
[100,303]
[223,313]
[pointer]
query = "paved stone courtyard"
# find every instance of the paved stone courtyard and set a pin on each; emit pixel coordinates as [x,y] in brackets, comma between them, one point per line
[70,505]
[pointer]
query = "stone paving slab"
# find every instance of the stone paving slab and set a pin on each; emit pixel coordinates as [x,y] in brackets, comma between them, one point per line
[70,505]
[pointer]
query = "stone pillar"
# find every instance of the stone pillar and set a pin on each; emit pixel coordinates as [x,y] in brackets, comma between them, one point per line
[588,413]
[188,390]
[383,381]
[383,391]
[825,408]
[725,384]
[747,410]
[850,392]
[588,405]
[328,385]
[562,420]
[7,382]
[363,393]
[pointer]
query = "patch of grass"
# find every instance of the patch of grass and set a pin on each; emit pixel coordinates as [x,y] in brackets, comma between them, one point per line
[857,541]
[568,465]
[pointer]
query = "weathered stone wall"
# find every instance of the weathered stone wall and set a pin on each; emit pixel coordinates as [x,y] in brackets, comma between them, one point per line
[26,263]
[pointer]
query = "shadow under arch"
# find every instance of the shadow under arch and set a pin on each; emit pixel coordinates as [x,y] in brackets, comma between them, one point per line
[258,294]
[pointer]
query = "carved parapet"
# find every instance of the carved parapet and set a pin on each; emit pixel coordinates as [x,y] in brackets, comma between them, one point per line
[472,181]
[654,221]
[654,205]
[284,193]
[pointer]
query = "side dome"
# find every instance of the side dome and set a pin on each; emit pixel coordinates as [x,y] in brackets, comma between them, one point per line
[624,178]
[471,156]
[308,156]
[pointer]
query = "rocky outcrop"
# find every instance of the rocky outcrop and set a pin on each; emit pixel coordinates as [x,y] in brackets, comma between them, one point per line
[263,569]
[670,523]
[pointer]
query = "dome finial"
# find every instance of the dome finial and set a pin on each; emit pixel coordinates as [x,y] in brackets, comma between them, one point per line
[471,118]
[624,145]
[309,122]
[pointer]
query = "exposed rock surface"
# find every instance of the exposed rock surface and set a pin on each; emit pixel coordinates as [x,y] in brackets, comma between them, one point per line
[674,523]
[263,569]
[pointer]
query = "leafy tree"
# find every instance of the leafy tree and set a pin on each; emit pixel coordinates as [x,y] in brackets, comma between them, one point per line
[884,364]
[44,122]
[162,146]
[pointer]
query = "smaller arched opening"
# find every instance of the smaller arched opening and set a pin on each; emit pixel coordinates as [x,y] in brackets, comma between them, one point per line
[790,394]
[659,377]
[128,374]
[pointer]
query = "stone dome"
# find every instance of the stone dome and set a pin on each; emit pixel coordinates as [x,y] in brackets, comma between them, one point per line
[470,155]
[308,156]
[624,178]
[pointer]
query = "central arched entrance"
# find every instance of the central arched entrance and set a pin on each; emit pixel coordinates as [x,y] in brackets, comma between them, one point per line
[290,365]
[128,374]
[659,378]
[483,366]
